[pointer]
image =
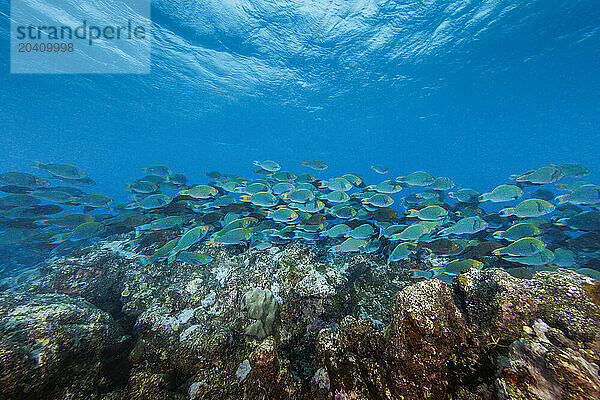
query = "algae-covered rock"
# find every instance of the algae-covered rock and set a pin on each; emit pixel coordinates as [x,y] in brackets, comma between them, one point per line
[269,376]
[414,357]
[547,366]
[428,339]
[500,305]
[314,285]
[354,359]
[53,345]
[262,307]
[490,346]
[346,326]
[144,385]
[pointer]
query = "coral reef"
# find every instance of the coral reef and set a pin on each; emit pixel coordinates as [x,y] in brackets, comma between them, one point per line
[56,346]
[293,323]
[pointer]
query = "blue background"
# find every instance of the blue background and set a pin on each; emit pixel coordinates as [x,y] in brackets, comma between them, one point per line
[505,87]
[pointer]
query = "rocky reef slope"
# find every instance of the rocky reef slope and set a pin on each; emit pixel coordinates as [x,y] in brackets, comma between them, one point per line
[293,323]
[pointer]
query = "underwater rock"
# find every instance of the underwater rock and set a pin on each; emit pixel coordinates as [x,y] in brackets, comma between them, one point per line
[354,358]
[426,338]
[243,370]
[262,307]
[548,325]
[144,385]
[497,304]
[469,340]
[548,366]
[320,382]
[433,349]
[269,376]
[314,285]
[53,345]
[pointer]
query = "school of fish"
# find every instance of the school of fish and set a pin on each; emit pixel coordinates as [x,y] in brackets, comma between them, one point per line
[540,220]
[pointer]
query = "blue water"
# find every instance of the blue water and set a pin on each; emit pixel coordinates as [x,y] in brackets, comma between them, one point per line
[472,90]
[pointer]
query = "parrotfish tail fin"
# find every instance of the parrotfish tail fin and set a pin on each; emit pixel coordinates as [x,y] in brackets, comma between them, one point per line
[514,177]
[507,212]
[437,271]
[171,257]
[498,234]
[561,222]
[38,165]
[61,237]
[412,213]
[484,197]
[244,197]
[144,261]
[497,252]
[130,241]
[444,232]
[562,199]
[42,221]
